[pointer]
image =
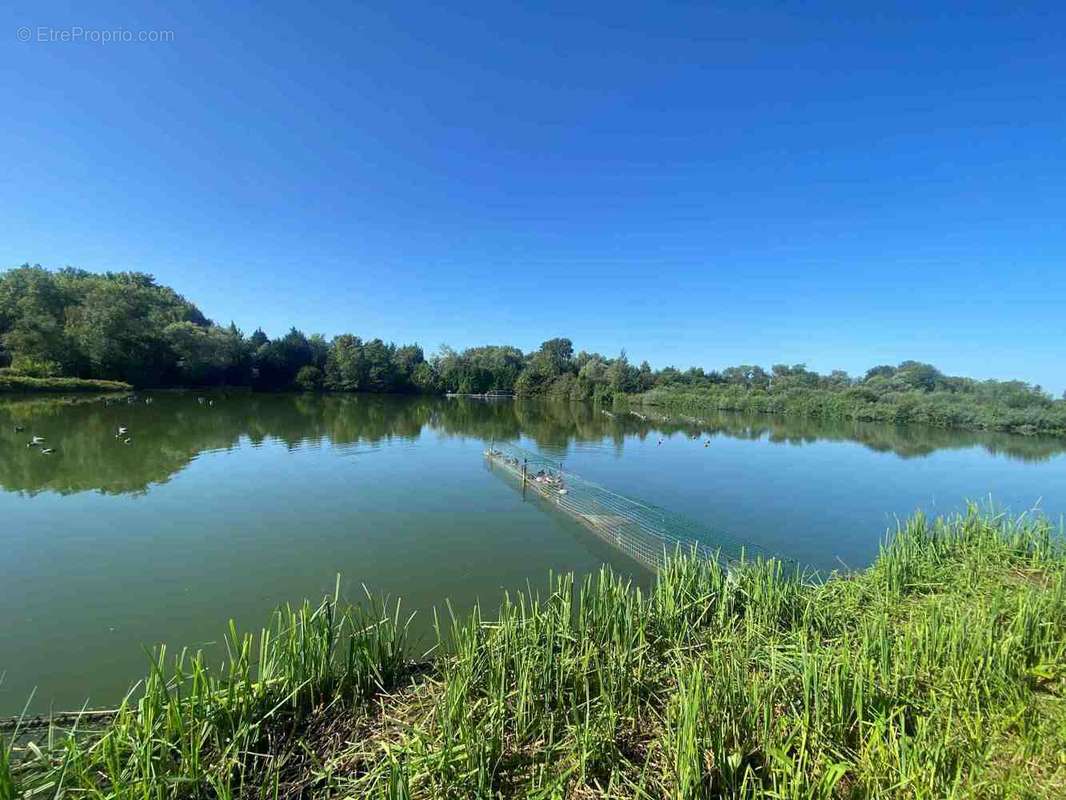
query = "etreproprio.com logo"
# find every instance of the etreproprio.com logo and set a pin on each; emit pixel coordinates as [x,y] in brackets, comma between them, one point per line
[77,33]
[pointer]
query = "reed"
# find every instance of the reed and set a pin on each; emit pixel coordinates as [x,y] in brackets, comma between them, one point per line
[938,672]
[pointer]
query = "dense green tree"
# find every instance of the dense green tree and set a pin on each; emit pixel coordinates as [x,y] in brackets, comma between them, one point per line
[747,375]
[116,326]
[408,359]
[622,377]
[554,357]
[645,377]
[32,317]
[258,339]
[381,373]
[208,354]
[424,379]
[915,375]
[90,325]
[346,365]
[882,370]
[309,378]
[838,379]
[122,325]
[479,369]
[279,360]
[319,350]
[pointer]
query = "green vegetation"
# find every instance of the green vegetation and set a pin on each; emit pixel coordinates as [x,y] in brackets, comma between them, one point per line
[72,323]
[123,326]
[910,393]
[938,672]
[25,384]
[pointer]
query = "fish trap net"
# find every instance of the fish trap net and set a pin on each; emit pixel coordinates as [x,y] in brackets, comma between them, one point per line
[645,532]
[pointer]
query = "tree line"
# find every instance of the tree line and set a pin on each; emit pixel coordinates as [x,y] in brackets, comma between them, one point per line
[124,326]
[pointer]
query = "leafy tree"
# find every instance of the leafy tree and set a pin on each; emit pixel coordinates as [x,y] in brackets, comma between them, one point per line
[207,354]
[424,379]
[645,377]
[408,359]
[345,364]
[883,371]
[279,360]
[554,357]
[381,373]
[309,378]
[32,308]
[752,377]
[622,377]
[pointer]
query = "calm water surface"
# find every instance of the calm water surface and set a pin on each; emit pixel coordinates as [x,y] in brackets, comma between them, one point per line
[225,510]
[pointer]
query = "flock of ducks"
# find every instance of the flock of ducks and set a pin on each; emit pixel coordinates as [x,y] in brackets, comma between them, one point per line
[693,436]
[646,418]
[37,441]
[122,433]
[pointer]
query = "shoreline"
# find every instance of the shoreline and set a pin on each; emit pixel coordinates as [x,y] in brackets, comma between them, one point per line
[20,384]
[920,667]
[772,406]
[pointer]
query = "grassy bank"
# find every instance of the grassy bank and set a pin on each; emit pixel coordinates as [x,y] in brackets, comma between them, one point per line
[938,672]
[939,409]
[22,384]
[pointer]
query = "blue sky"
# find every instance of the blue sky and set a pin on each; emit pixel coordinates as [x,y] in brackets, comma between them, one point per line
[700,183]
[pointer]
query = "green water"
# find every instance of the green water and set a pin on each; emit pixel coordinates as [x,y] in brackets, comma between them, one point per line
[225,509]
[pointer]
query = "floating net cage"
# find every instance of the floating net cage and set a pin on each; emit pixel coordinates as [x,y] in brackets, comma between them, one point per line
[642,531]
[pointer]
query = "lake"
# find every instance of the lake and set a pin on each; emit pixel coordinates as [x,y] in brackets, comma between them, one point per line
[227,507]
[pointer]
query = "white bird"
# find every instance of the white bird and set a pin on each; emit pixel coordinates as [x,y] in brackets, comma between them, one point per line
[36,439]
[127,440]
[46,451]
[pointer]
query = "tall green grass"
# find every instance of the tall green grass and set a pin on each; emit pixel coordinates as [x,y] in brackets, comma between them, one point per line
[938,672]
[192,731]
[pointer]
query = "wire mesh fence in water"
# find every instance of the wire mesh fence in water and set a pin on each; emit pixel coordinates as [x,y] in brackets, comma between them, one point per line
[644,532]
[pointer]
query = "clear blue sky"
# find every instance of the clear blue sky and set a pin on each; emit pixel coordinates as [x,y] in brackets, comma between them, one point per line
[701,183]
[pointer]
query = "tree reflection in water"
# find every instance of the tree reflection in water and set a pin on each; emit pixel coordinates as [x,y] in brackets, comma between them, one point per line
[174,428]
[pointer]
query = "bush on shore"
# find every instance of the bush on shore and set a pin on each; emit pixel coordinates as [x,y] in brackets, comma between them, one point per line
[23,383]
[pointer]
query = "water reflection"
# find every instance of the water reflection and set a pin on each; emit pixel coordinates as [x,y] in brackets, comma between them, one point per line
[172,429]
